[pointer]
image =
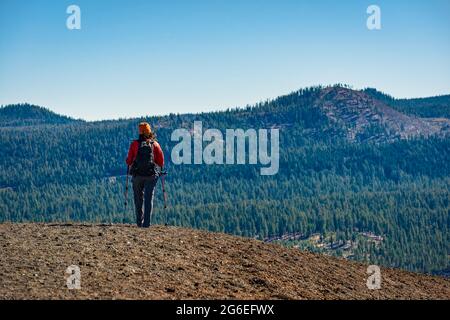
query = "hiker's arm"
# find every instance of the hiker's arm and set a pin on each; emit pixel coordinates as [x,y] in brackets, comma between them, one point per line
[159,155]
[131,153]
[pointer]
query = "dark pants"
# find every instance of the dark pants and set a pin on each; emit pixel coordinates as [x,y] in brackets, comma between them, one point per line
[144,189]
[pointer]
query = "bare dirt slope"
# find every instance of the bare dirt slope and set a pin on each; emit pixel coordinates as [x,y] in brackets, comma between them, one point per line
[123,262]
[371,119]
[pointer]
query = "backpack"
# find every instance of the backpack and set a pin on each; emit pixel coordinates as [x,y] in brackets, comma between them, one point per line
[144,164]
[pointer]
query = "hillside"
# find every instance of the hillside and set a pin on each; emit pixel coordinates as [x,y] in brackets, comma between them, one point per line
[352,170]
[431,107]
[366,118]
[123,262]
[18,115]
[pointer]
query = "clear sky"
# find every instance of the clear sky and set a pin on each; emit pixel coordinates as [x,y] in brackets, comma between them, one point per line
[134,58]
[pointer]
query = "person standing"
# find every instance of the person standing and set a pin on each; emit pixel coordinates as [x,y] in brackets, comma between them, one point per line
[145,160]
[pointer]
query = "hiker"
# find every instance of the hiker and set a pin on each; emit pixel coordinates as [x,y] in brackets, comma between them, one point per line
[145,160]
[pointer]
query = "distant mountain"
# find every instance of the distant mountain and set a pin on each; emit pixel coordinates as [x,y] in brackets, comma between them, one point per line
[29,115]
[366,115]
[357,177]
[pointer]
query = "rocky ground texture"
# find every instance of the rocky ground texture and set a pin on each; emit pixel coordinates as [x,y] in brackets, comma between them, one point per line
[124,262]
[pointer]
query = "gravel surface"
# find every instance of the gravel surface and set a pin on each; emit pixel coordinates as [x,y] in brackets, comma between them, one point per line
[124,262]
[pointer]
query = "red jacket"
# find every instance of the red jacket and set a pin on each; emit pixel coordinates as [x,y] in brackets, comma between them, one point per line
[158,154]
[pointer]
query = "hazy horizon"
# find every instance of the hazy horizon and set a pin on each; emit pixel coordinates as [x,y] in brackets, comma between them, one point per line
[206,111]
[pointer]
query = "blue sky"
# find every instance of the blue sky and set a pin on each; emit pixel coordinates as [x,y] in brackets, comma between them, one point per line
[134,58]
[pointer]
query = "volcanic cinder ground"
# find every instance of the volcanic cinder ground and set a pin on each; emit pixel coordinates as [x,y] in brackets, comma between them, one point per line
[124,262]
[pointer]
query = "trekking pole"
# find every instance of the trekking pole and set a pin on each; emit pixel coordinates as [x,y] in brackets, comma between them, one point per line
[163,174]
[126,189]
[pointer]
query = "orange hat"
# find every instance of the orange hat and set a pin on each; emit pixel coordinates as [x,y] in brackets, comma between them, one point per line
[144,128]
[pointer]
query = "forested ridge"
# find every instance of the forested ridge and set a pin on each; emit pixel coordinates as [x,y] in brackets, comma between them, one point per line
[433,107]
[60,169]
